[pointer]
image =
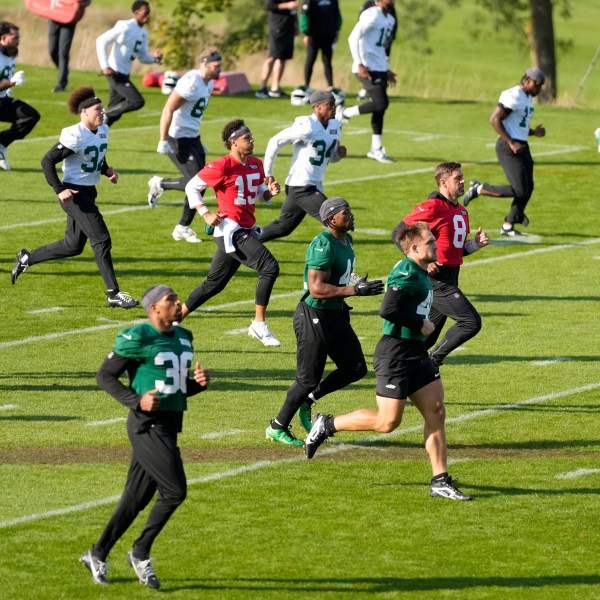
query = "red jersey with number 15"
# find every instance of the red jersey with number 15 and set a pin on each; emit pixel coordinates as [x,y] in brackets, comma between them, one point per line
[236,186]
[449,224]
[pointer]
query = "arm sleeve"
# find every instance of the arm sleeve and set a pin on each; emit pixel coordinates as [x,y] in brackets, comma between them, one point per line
[394,308]
[286,137]
[112,368]
[102,43]
[194,189]
[193,387]
[56,154]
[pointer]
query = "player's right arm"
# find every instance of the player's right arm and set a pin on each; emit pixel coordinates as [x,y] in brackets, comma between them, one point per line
[55,155]
[395,308]
[103,41]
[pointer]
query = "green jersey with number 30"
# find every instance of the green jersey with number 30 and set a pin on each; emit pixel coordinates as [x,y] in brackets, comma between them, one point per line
[408,277]
[164,361]
[327,253]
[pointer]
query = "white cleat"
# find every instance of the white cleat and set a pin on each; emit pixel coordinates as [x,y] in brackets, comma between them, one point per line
[155,190]
[261,332]
[4,164]
[379,155]
[185,233]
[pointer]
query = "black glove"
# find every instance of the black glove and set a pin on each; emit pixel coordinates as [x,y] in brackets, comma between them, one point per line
[368,288]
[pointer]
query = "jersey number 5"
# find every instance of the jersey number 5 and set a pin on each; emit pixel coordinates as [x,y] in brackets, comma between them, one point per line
[246,192]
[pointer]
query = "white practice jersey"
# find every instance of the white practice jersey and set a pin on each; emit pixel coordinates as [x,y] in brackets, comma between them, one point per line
[186,120]
[129,41]
[315,147]
[7,70]
[83,167]
[368,39]
[521,106]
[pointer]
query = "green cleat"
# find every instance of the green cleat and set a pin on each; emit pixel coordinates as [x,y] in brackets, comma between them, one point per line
[305,415]
[283,436]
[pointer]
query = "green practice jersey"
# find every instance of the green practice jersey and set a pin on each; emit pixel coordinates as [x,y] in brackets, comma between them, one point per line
[409,278]
[326,253]
[165,359]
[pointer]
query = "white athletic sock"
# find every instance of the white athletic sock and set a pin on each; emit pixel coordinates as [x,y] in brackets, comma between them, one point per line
[376,142]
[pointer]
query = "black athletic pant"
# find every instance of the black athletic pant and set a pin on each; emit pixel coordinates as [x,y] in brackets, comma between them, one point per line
[249,252]
[189,158]
[123,97]
[379,101]
[156,465]
[325,45]
[84,222]
[60,38]
[299,201]
[22,117]
[518,169]
[319,334]
[449,301]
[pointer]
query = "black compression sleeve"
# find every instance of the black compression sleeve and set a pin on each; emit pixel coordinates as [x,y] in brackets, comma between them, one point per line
[56,154]
[107,378]
[395,309]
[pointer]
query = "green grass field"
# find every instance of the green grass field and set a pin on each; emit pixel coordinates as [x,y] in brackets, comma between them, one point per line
[356,522]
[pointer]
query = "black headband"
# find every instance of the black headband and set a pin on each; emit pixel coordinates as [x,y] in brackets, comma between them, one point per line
[213,57]
[88,102]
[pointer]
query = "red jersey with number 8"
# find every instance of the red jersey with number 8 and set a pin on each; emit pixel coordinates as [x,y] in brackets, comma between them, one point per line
[449,224]
[236,187]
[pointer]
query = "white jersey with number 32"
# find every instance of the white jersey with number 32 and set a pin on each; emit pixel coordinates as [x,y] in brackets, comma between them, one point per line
[83,167]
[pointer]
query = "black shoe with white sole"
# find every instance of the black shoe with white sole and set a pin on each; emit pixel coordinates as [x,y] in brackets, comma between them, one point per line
[446,488]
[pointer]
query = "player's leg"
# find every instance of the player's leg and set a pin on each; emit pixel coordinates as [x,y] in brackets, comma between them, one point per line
[312,51]
[22,117]
[519,171]
[450,300]
[326,56]
[129,100]
[65,41]
[222,268]
[292,213]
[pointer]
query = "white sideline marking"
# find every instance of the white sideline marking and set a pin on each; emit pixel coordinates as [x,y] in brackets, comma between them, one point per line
[550,361]
[332,450]
[40,311]
[8,406]
[236,331]
[577,473]
[107,422]
[219,434]
[374,231]
[454,461]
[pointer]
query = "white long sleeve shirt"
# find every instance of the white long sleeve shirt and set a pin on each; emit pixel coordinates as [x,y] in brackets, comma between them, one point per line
[129,41]
[368,39]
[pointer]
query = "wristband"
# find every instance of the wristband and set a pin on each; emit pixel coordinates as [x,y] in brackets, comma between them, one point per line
[471,247]
[202,210]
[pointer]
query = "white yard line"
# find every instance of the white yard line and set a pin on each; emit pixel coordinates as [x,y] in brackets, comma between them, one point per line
[342,447]
[577,473]
[106,422]
[215,435]
[8,406]
[41,311]
[550,361]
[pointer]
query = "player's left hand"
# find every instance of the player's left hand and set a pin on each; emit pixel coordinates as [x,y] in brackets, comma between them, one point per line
[391,78]
[273,187]
[112,175]
[342,151]
[539,131]
[481,238]
[158,56]
[201,376]
[364,287]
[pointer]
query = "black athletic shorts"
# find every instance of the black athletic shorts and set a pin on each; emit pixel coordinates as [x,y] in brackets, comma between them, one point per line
[401,373]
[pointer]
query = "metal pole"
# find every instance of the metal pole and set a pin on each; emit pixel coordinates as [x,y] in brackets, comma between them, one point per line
[585,77]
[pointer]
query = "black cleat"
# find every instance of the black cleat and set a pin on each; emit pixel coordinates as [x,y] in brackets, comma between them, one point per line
[121,300]
[316,436]
[446,488]
[20,265]
[95,566]
[471,192]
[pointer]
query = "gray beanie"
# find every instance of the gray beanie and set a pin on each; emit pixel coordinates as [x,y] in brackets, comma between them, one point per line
[332,206]
[153,294]
[536,75]
[321,96]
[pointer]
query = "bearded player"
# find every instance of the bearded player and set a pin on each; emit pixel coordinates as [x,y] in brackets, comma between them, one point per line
[238,180]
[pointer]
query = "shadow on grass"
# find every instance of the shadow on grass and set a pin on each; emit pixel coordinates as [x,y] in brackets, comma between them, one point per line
[35,418]
[371,585]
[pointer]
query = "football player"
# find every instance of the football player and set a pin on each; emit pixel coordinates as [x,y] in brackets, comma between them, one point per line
[129,41]
[20,115]
[239,182]
[180,135]
[157,355]
[370,63]
[82,150]
[322,321]
[316,141]
[449,222]
[402,366]
[511,121]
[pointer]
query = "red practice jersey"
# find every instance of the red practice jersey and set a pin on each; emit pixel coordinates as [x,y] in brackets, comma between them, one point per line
[236,186]
[448,223]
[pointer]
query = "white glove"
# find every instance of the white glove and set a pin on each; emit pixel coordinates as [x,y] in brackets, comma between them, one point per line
[164,147]
[18,78]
